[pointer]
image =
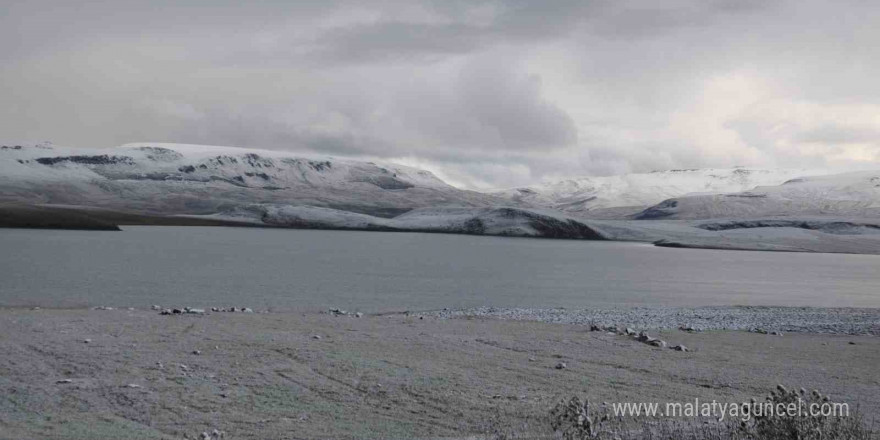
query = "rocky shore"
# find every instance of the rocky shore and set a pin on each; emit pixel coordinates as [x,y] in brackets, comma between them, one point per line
[844,321]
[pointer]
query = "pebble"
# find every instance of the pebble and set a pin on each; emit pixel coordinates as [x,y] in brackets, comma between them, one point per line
[87,341]
[561,366]
[680,348]
[789,319]
[232,309]
[185,310]
[63,381]
[316,336]
[197,352]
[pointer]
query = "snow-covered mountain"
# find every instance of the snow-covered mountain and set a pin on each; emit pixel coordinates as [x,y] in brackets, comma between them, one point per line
[191,179]
[168,179]
[790,210]
[851,195]
[288,189]
[587,195]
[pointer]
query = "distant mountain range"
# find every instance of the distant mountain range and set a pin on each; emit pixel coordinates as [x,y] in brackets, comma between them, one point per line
[855,194]
[194,179]
[48,186]
[595,196]
[171,179]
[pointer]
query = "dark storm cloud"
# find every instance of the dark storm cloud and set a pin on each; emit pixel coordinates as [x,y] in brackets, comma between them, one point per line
[486,93]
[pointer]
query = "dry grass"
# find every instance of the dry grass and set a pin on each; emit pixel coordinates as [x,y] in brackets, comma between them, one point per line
[577,419]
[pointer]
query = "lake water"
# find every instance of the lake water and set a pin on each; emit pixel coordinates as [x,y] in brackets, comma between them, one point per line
[373,271]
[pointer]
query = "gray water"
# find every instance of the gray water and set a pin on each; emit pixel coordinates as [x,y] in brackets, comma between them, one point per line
[373,271]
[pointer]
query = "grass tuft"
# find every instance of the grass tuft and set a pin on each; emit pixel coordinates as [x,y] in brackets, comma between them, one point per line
[578,419]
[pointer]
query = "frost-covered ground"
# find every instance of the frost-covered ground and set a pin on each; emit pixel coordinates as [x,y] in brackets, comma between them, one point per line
[284,375]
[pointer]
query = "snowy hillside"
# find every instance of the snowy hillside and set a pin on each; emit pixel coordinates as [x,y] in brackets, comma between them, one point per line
[168,179]
[852,195]
[477,221]
[48,186]
[583,195]
[192,179]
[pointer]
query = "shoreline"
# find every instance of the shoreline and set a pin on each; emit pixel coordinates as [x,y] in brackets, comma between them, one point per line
[848,321]
[818,320]
[681,234]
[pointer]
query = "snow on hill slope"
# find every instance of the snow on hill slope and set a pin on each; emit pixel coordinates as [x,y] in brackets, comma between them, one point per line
[821,234]
[587,195]
[478,221]
[851,195]
[169,179]
[193,179]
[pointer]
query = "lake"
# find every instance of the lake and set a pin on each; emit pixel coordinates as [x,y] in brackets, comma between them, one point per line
[375,271]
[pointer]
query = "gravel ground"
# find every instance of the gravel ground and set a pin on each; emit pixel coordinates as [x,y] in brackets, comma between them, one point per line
[846,321]
[136,374]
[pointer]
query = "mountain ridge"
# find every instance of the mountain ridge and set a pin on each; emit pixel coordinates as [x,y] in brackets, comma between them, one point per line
[189,179]
[179,184]
[587,195]
[854,194]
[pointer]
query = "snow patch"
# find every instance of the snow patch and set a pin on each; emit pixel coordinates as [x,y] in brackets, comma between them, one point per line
[582,195]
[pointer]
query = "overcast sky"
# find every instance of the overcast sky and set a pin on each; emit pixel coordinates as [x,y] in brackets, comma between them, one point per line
[483,93]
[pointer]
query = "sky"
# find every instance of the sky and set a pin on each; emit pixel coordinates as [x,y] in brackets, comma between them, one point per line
[486,94]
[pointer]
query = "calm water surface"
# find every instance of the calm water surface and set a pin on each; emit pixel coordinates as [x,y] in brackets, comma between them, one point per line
[372,271]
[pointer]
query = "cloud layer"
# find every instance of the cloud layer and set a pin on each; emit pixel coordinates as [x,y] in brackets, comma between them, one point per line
[484,93]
